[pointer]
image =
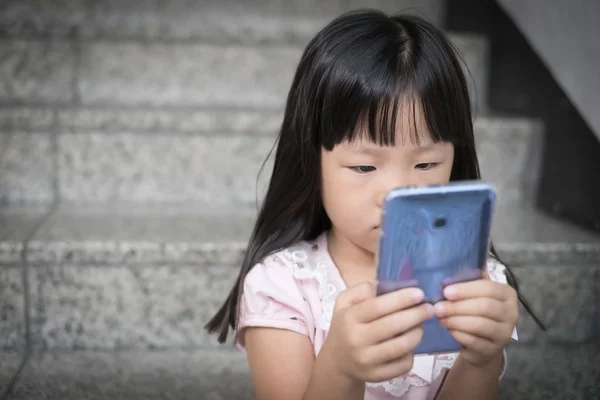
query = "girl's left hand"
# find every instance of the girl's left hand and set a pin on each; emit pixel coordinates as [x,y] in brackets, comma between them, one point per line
[481,315]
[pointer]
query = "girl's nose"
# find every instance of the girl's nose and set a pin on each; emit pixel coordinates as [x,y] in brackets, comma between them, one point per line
[391,185]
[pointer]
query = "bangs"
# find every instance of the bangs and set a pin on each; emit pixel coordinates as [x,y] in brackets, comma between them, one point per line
[396,84]
[398,118]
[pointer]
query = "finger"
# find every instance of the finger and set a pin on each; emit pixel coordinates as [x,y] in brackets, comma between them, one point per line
[475,343]
[395,347]
[477,326]
[355,294]
[393,369]
[388,303]
[477,288]
[482,306]
[394,324]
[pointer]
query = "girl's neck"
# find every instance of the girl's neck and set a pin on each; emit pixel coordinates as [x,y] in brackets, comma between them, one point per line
[354,263]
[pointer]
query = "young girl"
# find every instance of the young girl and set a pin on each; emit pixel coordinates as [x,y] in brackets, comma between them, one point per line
[377,102]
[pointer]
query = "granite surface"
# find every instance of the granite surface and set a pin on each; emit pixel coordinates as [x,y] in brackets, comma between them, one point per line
[249,21]
[186,74]
[27,167]
[117,307]
[140,235]
[474,51]
[35,18]
[510,157]
[132,234]
[217,170]
[10,361]
[194,374]
[565,298]
[130,222]
[37,72]
[161,120]
[202,121]
[17,224]
[12,310]
[26,118]
[149,120]
[524,235]
[544,371]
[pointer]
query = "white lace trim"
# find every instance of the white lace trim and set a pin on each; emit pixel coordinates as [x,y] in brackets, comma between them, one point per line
[443,362]
[397,387]
[327,291]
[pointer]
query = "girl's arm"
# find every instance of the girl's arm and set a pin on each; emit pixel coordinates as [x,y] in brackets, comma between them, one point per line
[283,366]
[466,381]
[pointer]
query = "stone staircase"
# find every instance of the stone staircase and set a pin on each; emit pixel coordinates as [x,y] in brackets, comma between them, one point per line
[131,136]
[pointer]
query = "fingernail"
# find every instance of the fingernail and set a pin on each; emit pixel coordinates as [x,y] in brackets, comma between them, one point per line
[418,295]
[449,291]
[439,310]
[430,309]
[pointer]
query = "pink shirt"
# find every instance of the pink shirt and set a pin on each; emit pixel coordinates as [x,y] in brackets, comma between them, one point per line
[296,288]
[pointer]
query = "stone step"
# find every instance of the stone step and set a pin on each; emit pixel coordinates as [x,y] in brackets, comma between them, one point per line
[204,156]
[10,363]
[190,374]
[174,74]
[537,371]
[127,277]
[17,226]
[540,371]
[231,20]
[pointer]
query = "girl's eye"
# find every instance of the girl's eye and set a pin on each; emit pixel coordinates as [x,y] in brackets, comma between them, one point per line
[363,169]
[426,166]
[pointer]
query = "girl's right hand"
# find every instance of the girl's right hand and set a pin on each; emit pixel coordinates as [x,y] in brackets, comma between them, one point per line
[371,338]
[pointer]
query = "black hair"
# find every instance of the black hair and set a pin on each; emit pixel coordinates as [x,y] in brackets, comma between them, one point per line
[358,70]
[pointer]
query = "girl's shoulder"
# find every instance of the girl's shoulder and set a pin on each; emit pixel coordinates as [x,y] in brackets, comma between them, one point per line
[274,295]
[305,257]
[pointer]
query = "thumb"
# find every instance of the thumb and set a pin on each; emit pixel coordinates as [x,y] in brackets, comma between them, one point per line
[356,294]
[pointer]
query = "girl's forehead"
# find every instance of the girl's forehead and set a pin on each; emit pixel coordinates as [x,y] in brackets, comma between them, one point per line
[363,144]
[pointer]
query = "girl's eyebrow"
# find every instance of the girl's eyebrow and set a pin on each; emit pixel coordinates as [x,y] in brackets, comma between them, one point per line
[426,147]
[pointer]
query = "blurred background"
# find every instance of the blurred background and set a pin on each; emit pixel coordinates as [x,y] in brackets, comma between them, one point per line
[131,137]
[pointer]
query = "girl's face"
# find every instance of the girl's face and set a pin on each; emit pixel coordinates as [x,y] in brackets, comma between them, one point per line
[357,175]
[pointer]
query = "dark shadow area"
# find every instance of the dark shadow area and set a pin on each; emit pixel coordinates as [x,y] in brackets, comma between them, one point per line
[521,85]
